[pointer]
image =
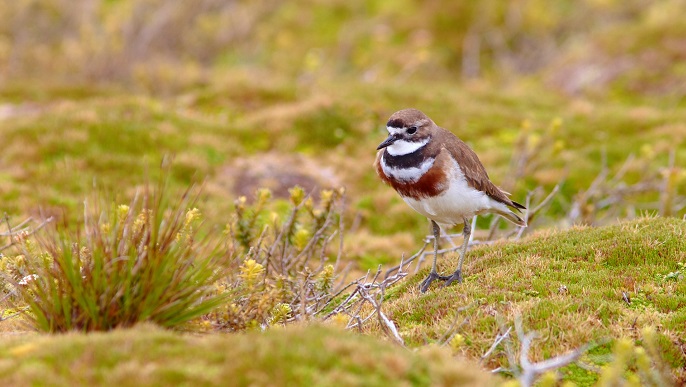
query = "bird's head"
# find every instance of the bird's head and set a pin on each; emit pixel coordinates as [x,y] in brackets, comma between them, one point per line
[408,131]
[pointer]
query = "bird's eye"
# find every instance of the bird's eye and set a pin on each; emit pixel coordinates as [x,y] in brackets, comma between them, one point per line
[412,130]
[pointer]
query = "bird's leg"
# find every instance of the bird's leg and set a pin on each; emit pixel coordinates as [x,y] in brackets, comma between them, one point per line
[457,275]
[434,274]
[445,235]
[437,234]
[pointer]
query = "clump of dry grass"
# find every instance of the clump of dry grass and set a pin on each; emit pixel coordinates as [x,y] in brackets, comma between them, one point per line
[125,264]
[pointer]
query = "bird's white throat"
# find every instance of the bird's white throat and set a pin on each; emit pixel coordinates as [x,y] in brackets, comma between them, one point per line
[402,147]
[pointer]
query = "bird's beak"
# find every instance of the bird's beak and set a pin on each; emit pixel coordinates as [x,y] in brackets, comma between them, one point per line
[390,140]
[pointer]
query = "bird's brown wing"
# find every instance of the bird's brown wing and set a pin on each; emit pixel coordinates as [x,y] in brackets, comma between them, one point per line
[473,170]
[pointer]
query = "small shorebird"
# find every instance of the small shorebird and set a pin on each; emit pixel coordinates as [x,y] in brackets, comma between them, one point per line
[440,177]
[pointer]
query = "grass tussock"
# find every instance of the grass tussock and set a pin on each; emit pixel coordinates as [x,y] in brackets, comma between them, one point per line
[124,264]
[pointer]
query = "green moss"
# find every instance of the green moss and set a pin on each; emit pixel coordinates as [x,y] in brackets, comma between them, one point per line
[105,136]
[594,264]
[147,356]
[580,376]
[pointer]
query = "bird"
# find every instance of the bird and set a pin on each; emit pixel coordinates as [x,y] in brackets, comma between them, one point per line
[440,177]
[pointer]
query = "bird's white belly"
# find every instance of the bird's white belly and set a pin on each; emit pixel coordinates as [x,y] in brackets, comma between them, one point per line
[458,202]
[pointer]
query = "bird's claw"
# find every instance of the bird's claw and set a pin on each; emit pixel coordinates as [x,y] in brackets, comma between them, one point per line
[457,276]
[424,286]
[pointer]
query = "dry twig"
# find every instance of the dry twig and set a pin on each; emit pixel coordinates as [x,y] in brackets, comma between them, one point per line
[371,292]
[498,339]
[524,370]
[20,230]
[529,371]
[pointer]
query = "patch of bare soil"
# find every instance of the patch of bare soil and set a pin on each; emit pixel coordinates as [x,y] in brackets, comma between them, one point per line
[277,172]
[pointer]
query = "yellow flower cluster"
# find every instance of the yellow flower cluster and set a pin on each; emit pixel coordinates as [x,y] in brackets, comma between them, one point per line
[250,272]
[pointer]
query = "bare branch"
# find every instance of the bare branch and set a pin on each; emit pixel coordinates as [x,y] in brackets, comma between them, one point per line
[531,370]
[409,260]
[530,214]
[547,199]
[18,229]
[498,339]
[25,231]
[385,322]
[371,291]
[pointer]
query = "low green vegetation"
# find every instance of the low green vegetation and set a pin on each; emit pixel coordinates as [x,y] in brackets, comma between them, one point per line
[527,138]
[155,261]
[275,109]
[149,356]
[584,285]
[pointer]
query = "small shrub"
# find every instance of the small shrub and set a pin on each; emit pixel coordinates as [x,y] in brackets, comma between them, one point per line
[129,263]
[281,270]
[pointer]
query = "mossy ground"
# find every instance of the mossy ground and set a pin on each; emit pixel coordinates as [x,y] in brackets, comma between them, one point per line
[64,147]
[85,107]
[569,286]
[148,356]
[68,146]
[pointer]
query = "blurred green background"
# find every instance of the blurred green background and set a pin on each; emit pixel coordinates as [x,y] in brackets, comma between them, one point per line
[243,94]
[604,46]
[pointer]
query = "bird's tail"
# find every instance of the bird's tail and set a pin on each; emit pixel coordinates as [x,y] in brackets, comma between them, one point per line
[512,217]
[517,206]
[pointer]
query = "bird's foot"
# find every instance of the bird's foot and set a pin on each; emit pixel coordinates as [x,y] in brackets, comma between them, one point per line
[431,278]
[457,276]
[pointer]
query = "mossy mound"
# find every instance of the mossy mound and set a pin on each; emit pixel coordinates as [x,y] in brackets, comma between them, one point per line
[147,356]
[578,286]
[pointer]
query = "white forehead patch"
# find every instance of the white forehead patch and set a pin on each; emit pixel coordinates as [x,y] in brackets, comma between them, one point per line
[402,147]
[411,174]
[393,130]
